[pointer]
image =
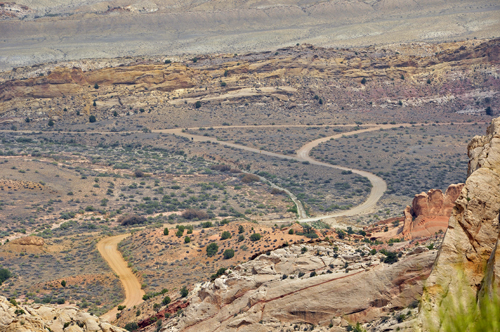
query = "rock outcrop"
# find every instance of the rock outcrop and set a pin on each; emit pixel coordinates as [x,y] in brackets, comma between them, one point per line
[29,241]
[320,286]
[43,318]
[430,212]
[468,264]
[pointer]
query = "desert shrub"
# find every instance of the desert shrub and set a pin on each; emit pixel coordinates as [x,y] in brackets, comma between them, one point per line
[50,123]
[194,214]
[180,232]
[19,312]
[241,238]
[132,326]
[121,307]
[340,233]
[255,237]
[131,219]
[206,224]
[220,272]
[241,229]
[166,300]
[301,274]
[391,257]
[212,249]
[165,231]
[303,250]
[4,275]
[225,235]
[313,274]
[363,81]
[290,231]
[197,104]
[187,239]
[228,253]
[276,191]
[138,173]
[248,178]
[92,118]
[220,168]
[63,283]
[184,291]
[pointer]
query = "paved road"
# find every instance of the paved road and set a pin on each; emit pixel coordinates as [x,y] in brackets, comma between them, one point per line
[108,248]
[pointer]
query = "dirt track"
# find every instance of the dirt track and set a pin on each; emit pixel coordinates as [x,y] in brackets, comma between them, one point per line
[108,248]
[379,185]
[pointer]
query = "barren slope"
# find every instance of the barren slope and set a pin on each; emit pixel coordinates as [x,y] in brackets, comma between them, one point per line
[66,30]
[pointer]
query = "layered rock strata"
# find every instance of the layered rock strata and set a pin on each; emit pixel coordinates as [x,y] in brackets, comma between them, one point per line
[318,285]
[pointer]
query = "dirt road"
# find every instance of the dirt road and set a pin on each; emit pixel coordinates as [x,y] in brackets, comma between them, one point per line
[379,186]
[108,248]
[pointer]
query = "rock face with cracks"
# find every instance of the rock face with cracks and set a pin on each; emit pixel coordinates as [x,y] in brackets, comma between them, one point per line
[43,318]
[318,286]
[430,212]
[469,262]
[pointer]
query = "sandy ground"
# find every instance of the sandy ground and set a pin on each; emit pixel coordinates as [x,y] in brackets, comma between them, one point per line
[108,247]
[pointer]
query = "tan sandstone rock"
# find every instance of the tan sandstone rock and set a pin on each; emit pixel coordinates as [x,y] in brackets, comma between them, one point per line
[277,289]
[468,263]
[43,318]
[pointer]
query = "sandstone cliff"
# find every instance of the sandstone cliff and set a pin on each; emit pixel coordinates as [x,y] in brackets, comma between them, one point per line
[468,263]
[43,318]
[429,212]
[320,286]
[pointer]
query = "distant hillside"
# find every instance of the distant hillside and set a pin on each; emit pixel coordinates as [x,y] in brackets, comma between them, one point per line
[40,31]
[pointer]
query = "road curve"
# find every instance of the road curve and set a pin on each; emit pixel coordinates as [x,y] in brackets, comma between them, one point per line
[379,186]
[108,248]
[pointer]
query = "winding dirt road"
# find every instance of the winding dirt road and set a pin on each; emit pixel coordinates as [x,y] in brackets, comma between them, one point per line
[379,186]
[108,248]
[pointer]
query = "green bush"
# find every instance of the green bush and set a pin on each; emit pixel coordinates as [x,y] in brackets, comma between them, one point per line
[92,118]
[63,283]
[132,326]
[212,249]
[241,238]
[255,237]
[187,239]
[228,253]
[4,275]
[165,231]
[241,229]
[290,231]
[225,235]
[184,291]
[166,300]
[197,104]
[51,123]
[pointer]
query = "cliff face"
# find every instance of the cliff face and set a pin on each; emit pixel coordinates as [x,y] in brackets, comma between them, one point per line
[468,259]
[43,318]
[430,212]
[318,286]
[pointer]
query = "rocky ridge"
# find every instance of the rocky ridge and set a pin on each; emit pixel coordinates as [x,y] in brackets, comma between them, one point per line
[468,262]
[42,318]
[329,283]
[102,88]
